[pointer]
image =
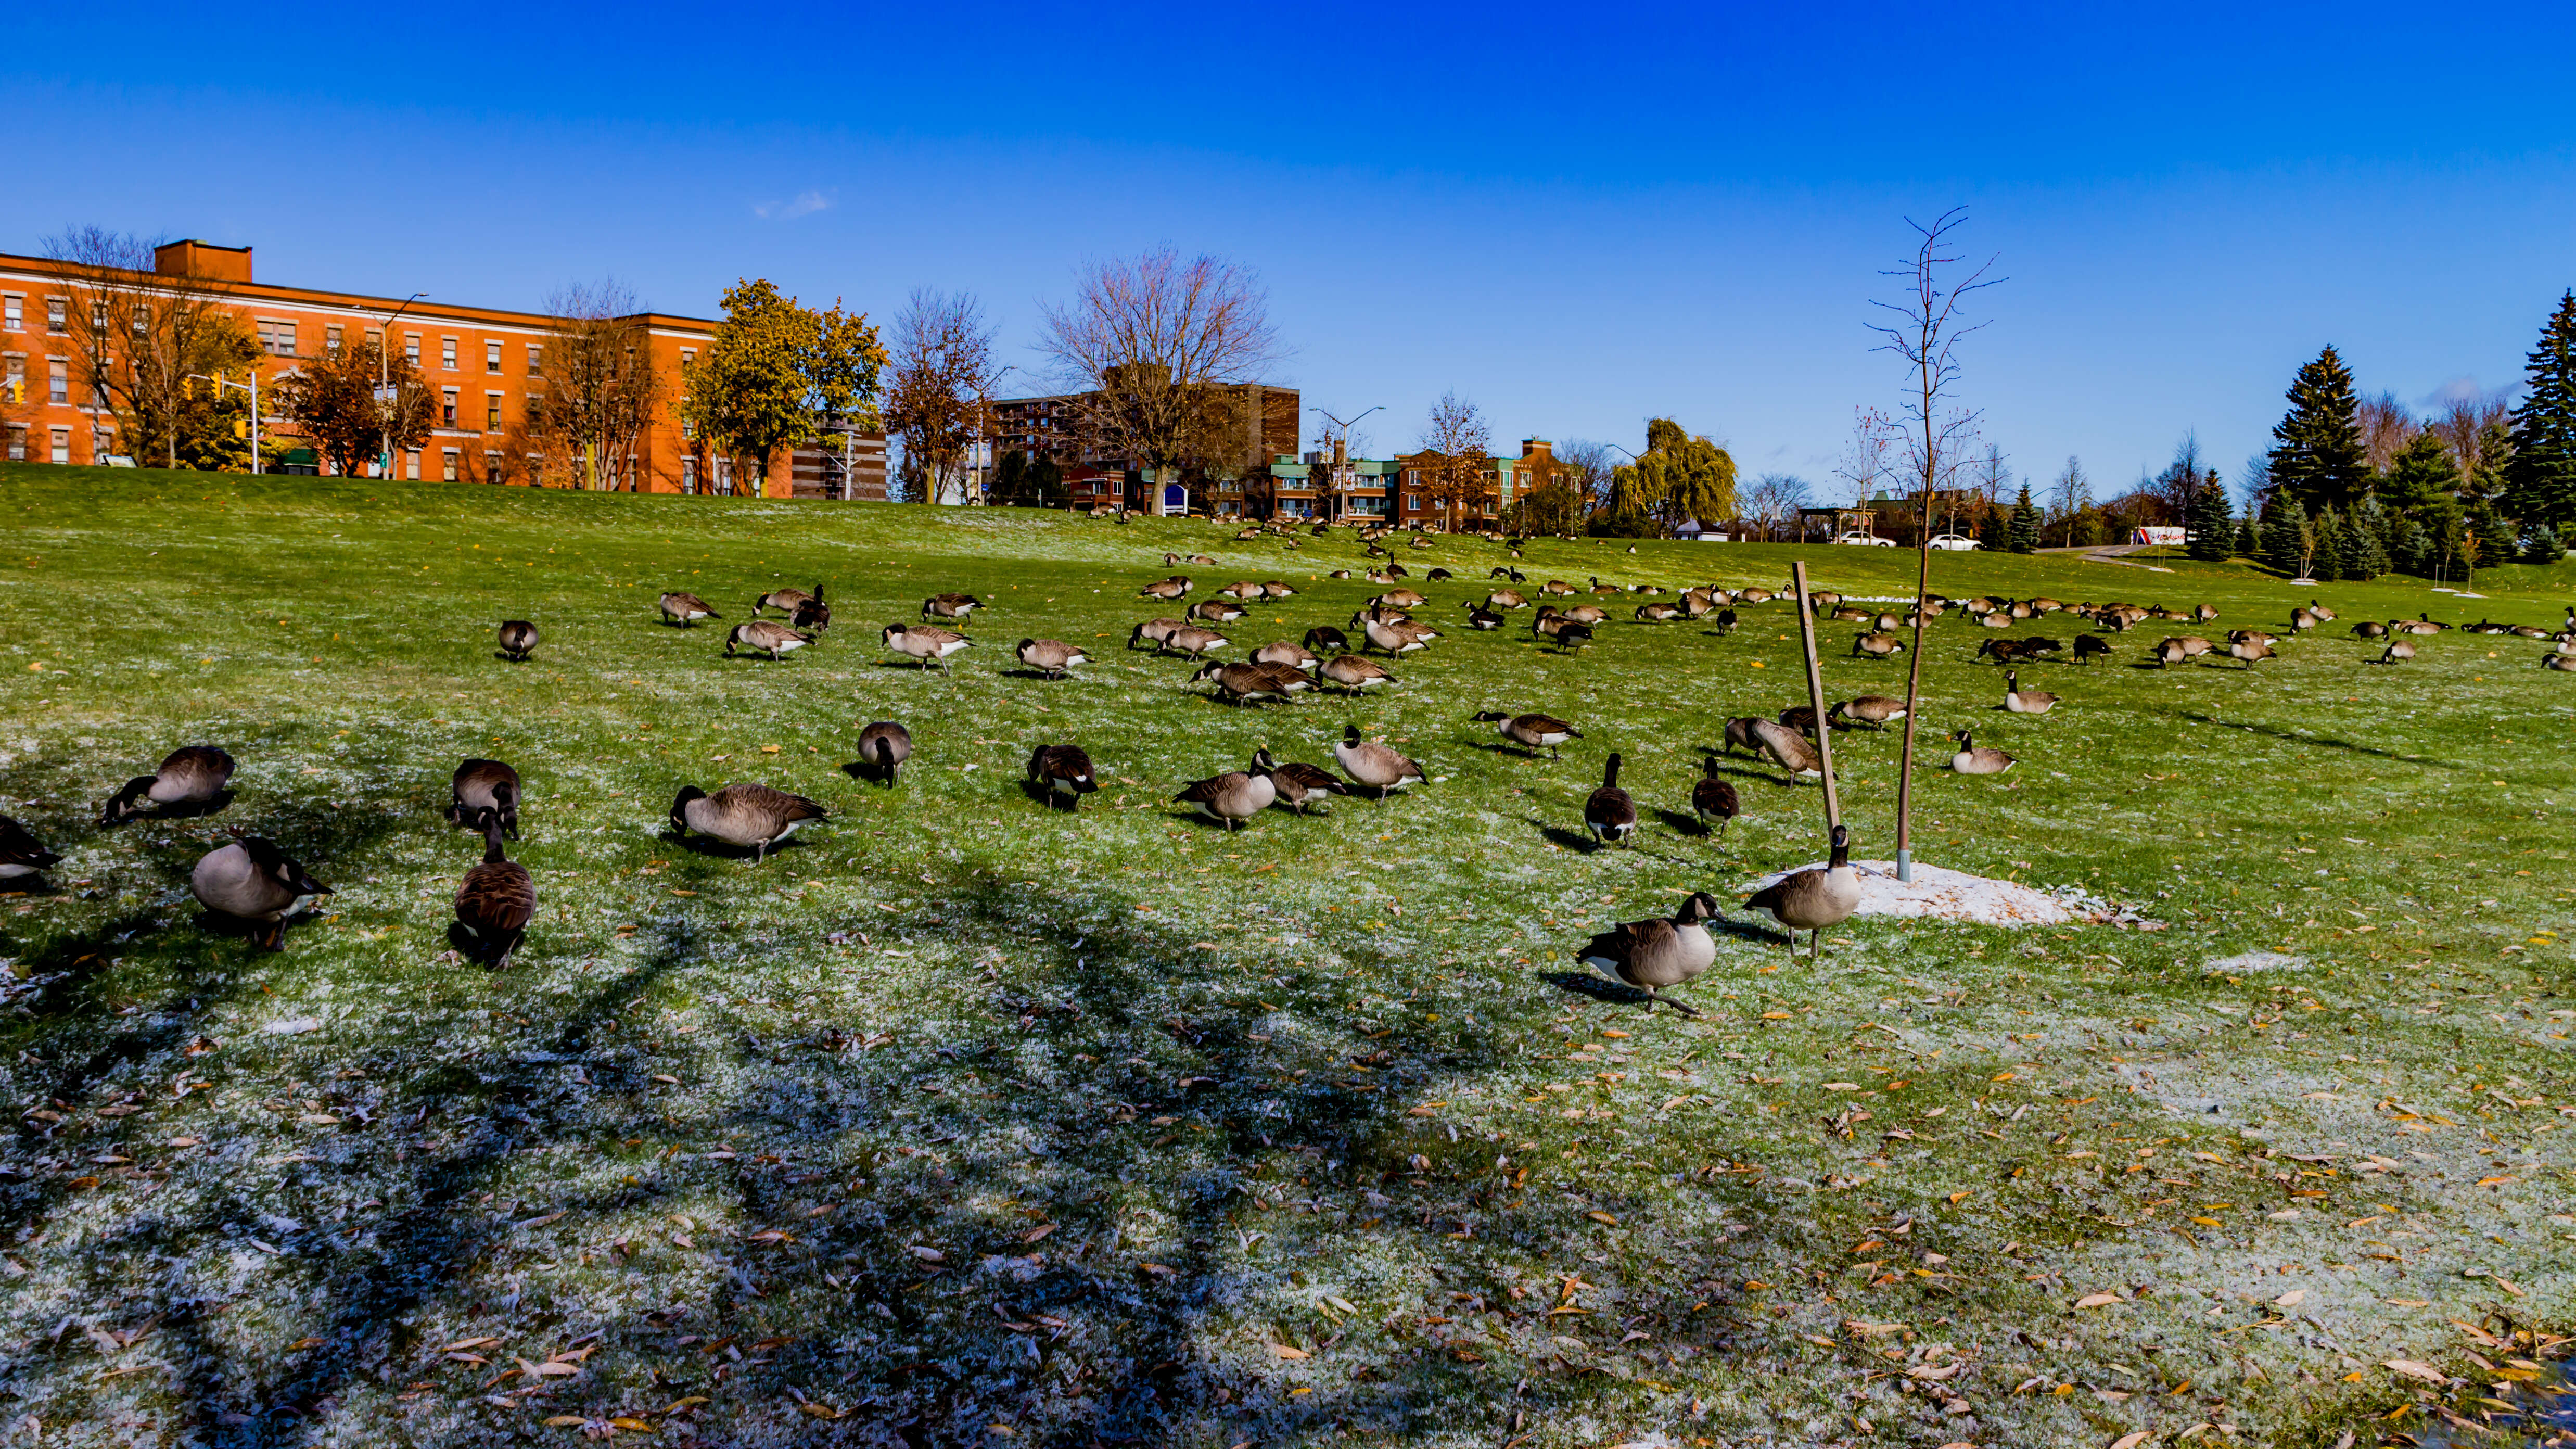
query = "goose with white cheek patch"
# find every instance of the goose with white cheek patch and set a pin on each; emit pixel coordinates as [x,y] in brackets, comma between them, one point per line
[1233,797]
[1814,898]
[1657,953]
[1064,772]
[749,816]
[1608,813]
[23,857]
[1379,767]
[190,780]
[254,882]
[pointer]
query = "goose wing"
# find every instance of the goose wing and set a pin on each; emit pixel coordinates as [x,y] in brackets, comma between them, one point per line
[497,896]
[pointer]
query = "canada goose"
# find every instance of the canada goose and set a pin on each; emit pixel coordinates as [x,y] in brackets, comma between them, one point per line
[685,609]
[1051,657]
[518,640]
[1713,798]
[1295,784]
[1171,588]
[1400,599]
[1393,638]
[1372,764]
[1340,574]
[1064,773]
[2089,647]
[926,642]
[1979,607]
[883,747]
[786,600]
[1800,717]
[1725,622]
[2172,651]
[1194,641]
[1171,560]
[1216,611]
[1998,619]
[1599,587]
[1355,673]
[1325,637]
[1814,898]
[253,881]
[1506,599]
[1851,614]
[1887,623]
[481,785]
[1788,747]
[2420,625]
[1608,812]
[1233,797]
[1236,683]
[1200,560]
[1696,603]
[1820,599]
[1587,615]
[1158,632]
[1276,590]
[1655,953]
[1874,710]
[1556,586]
[1244,589]
[1295,656]
[950,606]
[2397,649]
[1973,761]
[2203,613]
[2302,620]
[1571,636]
[1546,622]
[2018,608]
[812,615]
[2324,614]
[2558,661]
[497,898]
[2369,629]
[2018,700]
[23,857]
[2044,606]
[1439,576]
[743,814]
[190,780]
[1480,617]
[760,636]
[1876,646]
[2253,651]
[1531,732]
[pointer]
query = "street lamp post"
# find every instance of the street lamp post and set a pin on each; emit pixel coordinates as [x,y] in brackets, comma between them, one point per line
[1343,444]
[251,387]
[384,402]
[984,435]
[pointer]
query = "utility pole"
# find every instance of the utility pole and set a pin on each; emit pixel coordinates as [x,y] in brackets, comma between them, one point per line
[1340,450]
[384,389]
[251,387]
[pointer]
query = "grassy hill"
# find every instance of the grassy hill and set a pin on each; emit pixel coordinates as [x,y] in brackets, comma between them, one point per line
[971,1122]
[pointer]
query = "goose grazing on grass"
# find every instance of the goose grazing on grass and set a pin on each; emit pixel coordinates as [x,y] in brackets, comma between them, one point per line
[1400,599]
[2302,620]
[1506,599]
[2170,652]
[1194,641]
[926,642]
[1050,657]
[1393,638]
[2397,649]
[1171,588]
[1244,589]
[761,636]
[497,899]
[1789,748]
[1377,766]
[2089,647]
[1740,736]
[1571,636]
[1480,617]
[2370,629]
[1295,784]
[1800,717]
[1325,637]
[1157,632]
[883,747]
[254,882]
[1237,683]
[1971,760]
[1876,645]
[189,782]
[1587,614]
[1725,622]
[751,817]
[1295,656]
[1532,732]
[1276,590]
[681,609]
[812,615]
[23,857]
[1608,812]
[2558,661]
[1216,611]
[518,640]
[1874,710]
[1356,674]
[2018,700]
[1713,798]
[1064,773]
[484,785]
[2253,651]
[1657,953]
[1233,797]
[1814,898]
[786,600]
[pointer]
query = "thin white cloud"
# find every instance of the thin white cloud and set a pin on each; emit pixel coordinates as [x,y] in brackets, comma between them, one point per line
[806,203]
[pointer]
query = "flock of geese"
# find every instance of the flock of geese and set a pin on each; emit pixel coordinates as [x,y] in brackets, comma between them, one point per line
[251,882]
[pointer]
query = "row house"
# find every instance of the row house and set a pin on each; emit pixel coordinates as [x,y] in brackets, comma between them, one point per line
[1505,479]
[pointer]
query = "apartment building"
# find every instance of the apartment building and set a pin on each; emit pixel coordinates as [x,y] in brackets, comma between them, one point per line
[1505,479]
[1095,477]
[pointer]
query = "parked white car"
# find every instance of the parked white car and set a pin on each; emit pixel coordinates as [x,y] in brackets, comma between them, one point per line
[1866,540]
[1954,542]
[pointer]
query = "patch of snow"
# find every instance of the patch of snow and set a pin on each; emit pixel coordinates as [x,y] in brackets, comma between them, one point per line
[1947,895]
[2259,961]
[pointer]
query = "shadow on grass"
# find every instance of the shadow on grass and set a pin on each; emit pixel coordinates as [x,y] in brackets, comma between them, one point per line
[2302,737]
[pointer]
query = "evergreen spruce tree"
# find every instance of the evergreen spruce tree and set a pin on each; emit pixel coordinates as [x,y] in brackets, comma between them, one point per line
[2355,548]
[2316,454]
[2210,522]
[2540,480]
[2408,546]
[2287,536]
[2540,545]
[2024,534]
[2325,548]
[2249,537]
[2421,475]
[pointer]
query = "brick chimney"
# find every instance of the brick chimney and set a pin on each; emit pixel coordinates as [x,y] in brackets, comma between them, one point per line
[202,260]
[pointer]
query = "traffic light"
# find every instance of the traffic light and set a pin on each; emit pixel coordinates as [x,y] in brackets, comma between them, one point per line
[241,427]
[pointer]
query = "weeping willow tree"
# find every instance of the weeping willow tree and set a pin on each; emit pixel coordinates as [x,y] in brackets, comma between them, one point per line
[1679,477]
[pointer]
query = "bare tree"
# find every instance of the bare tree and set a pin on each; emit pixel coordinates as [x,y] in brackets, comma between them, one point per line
[2466,422]
[941,392]
[139,333]
[1462,449]
[1925,334]
[600,389]
[1589,468]
[1775,498]
[1863,464]
[1145,343]
[2070,495]
[2387,426]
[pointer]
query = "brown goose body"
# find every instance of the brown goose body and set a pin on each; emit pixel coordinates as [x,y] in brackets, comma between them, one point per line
[1171,588]
[1970,760]
[1608,812]
[480,785]
[1814,898]
[1236,683]
[1658,952]
[496,900]
[883,747]
[1295,784]
[1192,640]
[1506,599]
[750,816]
[2398,649]
[926,642]
[1875,645]
[1051,657]
[761,636]
[685,609]
[2252,651]
[191,779]
[1874,710]
[1233,797]
[1354,673]
[518,640]
[253,881]
[1295,656]
[1244,589]
[23,858]
[1740,736]
[1064,773]
[1324,637]
[786,600]
[1713,798]
[1791,749]
[950,606]
[1379,767]
[1157,632]
[1392,637]
[1532,732]
[2018,700]
[1216,611]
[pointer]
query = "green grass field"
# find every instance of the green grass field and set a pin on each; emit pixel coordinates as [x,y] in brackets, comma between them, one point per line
[961,1121]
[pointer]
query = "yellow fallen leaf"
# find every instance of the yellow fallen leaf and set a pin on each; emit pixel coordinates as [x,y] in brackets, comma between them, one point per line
[769,749]
[463,1344]
[2133,1439]
[2209,1222]
[565,1421]
[2097,1300]
[2482,1182]
[1842,1086]
[1957,1198]
[631,1426]
[1819,1340]
[1284,1351]
[2414,1370]
[1604,1218]
[2291,1299]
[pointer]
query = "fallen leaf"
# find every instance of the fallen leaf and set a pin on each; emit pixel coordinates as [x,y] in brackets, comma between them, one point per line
[2097,1300]
[462,1344]
[2414,1370]
[2133,1439]
[2291,1299]
[1284,1351]
[1604,1218]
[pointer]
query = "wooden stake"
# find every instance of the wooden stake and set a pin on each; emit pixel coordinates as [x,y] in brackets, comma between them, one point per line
[1816,693]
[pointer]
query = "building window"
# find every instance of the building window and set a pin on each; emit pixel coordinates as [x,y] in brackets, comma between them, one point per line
[447,353]
[411,348]
[492,358]
[331,339]
[688,475]
[447,408]
[536,360]
[450,463]
[58,380]
[58,314]
[491,467]
[277,339]
[688,358]
[62,445]
[1412,503]
[17,442]
[13,378]
[376,338]
[13,312]
[492,412]
[411,463]
[102,445]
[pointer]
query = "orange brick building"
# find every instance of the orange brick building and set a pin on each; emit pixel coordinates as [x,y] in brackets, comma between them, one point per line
[480,364]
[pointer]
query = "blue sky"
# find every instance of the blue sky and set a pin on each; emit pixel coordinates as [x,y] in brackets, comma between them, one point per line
[1576,222]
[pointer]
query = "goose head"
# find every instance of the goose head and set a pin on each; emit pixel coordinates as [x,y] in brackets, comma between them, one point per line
[680,806]
[1696,907]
